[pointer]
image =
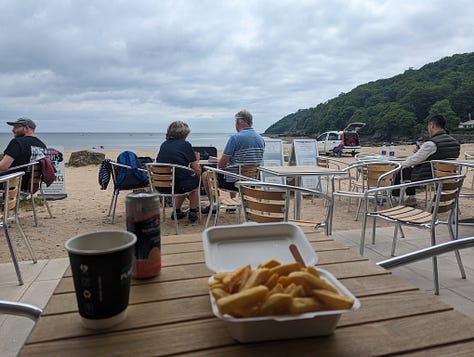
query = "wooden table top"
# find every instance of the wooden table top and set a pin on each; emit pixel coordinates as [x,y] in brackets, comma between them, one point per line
[300,170]
[171,314]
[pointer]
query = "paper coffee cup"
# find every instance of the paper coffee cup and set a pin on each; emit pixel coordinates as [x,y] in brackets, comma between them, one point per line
[102,264]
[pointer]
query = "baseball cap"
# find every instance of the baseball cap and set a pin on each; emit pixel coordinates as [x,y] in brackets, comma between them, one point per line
[23,121]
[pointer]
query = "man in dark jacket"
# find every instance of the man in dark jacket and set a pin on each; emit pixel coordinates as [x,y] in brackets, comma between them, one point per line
[440,146]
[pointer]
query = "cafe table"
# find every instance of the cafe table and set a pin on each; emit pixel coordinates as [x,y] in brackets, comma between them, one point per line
[171,315]
[297,172]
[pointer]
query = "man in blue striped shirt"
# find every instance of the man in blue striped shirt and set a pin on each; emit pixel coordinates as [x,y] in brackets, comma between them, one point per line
[243,148]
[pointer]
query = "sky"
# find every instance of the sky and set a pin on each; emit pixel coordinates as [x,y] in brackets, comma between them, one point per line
[136,66]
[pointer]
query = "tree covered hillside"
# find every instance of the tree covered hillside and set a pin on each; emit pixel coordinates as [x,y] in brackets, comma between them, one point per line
[397,106]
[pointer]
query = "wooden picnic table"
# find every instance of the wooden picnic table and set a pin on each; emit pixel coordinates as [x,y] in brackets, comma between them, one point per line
[171,314]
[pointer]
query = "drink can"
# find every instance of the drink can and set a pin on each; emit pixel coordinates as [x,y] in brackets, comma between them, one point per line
[143,219]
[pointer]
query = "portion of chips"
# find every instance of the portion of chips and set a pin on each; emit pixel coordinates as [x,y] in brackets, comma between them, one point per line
[275,289]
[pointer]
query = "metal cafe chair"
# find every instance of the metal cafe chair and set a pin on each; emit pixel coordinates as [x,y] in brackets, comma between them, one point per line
[20,309]
[444,201]
[425,253]
[10,202]
[116,168]
[270,202]
[162,177]
[217,201]
[374,174]
[33,185]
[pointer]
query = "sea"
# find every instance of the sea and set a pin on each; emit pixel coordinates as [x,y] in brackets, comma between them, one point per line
[118,141]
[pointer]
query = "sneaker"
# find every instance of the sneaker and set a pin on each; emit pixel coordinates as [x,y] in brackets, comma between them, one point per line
[192,216]
[410,202]
[205,210]
[230,210]
[179,215]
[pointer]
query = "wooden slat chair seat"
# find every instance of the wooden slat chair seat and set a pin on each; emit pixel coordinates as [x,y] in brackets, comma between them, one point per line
[444,200]
[162,177]
[10,202]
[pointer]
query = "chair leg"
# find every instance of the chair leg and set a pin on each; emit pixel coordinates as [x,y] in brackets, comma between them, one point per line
[25,239]
[114,202]
[45,202]
[454,236]
[174,215]
[33,205]
[435,275]
[435,262]
[12,253]
[362,236]
[394,241]
[331,209]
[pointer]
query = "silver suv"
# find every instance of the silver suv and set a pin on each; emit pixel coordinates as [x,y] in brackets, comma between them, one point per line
[340,142]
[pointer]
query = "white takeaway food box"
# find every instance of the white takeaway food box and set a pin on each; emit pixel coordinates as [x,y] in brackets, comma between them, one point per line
[229,247]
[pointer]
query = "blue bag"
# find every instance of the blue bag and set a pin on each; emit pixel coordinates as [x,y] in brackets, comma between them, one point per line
[129,179]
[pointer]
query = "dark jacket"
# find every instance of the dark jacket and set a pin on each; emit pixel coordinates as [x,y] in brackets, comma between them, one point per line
[446,148]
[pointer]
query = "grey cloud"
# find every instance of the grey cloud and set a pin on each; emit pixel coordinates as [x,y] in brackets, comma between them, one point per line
[105,65]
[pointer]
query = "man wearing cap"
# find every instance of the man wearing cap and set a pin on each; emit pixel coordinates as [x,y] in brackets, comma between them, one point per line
[25,147]
[243,148]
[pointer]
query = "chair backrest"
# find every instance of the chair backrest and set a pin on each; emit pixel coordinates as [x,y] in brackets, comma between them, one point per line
[125,178]
[129,172]
[213,186]
[33,175]
[446,194]
[443,169]
[11,193]
[380,174]
[322,161]
[161,177]
[249,170]
[264,204]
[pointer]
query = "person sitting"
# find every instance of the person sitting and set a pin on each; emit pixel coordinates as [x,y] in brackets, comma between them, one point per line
[176,150]
[24,148]
[417,167]
[246,147]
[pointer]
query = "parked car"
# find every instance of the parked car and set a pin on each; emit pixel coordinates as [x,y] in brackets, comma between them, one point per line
[340,142]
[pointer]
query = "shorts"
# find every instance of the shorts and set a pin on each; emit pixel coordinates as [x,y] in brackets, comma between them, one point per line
[183,185]
[226,185]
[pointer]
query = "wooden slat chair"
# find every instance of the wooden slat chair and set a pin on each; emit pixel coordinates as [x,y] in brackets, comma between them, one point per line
[374,174]
[162,177]
[270,202]
[443,201]
[10,202]
[327,162]
[32,185]
[217,201]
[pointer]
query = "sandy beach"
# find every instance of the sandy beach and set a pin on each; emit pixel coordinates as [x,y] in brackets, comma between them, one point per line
[86,206]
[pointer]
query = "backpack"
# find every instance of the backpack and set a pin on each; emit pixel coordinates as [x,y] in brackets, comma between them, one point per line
[129,179]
